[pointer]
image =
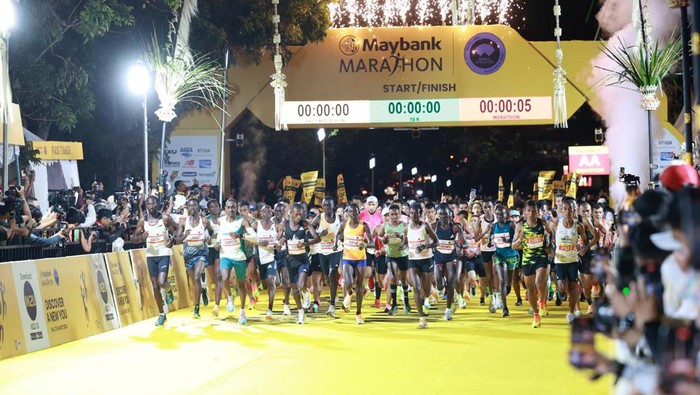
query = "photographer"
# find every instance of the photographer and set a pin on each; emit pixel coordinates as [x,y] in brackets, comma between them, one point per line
[105,230]
[15,216]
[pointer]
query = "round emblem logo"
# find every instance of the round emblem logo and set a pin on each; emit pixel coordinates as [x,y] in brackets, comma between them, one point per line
[484,53]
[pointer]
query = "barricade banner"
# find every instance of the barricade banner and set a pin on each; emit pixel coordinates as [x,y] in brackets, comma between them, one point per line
[290,188]
[177,276]
[544,184]
[70,299]
[558,187]
[572,190]
[501,189]
[320,191]
[12,340]
[104,293]
[308,183]
[123,283]
[147,302]
[31,306]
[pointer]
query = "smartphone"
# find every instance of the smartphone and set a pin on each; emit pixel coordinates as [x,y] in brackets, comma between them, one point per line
[582,354]
[678,360]
[472,193]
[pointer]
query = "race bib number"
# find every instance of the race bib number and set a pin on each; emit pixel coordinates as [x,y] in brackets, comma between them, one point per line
[501,240]
[446,246]
[534,241]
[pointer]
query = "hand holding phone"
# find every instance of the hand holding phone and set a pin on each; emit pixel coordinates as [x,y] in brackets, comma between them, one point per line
[582,354]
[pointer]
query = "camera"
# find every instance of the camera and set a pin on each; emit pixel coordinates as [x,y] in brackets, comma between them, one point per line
[629,180]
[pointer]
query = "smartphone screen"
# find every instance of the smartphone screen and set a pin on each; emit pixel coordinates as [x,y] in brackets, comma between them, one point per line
[582,354]
[678,358]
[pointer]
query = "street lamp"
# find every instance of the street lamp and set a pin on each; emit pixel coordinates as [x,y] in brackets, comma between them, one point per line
[449,183]
[372,163]
[433,179]
[414,171]
[322,139]
[7,22]
[138,83]
[399,167]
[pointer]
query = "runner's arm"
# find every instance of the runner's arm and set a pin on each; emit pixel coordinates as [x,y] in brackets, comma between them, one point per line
[518,237]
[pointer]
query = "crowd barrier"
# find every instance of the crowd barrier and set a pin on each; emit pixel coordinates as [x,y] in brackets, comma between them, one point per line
[48,302]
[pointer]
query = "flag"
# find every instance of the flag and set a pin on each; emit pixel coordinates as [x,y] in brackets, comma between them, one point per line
[290,188]
[544,184]
[501,190]
[511,197]
[320,191]
[573,185]
[342,195]
[308,184]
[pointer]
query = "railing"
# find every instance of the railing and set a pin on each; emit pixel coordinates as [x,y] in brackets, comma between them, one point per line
[26,252]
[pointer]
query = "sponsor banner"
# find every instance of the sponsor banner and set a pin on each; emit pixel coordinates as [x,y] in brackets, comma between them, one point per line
[146,302]
[668,146]
[192,157]
[70,299]
[58,150]
[12,340]
[590,160]
[320,191]
[104,292]
[544,184]
[342,194]
[308,183]
[178,279]
[290,186]
[559,187]
[123,284]
[31,306]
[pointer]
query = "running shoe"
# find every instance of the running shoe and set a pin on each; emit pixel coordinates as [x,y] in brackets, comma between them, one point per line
[570,318]
[346,304]
[543,311]
[215,311]
[314,307]
[387,310]
[433,300]
[196,311]
[268,316]
[251,303]
[473,291]
[506,313]
[492,305]
[582,297]
[564,297]
[300,317]
[377,303]
[287,310]
[488,292]
[230,306]
[536,322]
[499,302]
[530,311]
[481,301]
[234,291]
[519,302]
[426,310]
[399,293]
[169,297]
[550,297]
[242,320]
[387,306]
[205,297]
[559,301]
[422,323]
[454,306]
[448,315]
[305,299]
[256,291]
[407,308]
[359,319]
[577,313]
[392,311]
[461,302]
[161,320]
[427,303]
[331,311]
[370,282]
[590,309]
[444,296]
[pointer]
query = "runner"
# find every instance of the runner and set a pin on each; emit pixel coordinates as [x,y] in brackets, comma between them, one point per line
[295,236]
[155,228]
[356,237]
[372,216]
[487,251]
[505,259]
[515,275]
[393,235]
[447,264]
[430,217]
[472,265]
[281,255]
[213,260]
[419,259]
[586,254]
[194,232]
[566,256]
[532,235]
[330,254]
[245,210]
[230,244]
[267,242]
[315,281]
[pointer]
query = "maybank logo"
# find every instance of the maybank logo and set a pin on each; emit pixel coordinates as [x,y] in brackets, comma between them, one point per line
[30,300]
[401,45]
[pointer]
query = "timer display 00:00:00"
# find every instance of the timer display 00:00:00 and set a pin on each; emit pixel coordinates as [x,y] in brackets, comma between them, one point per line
[411,107]
[323,110]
